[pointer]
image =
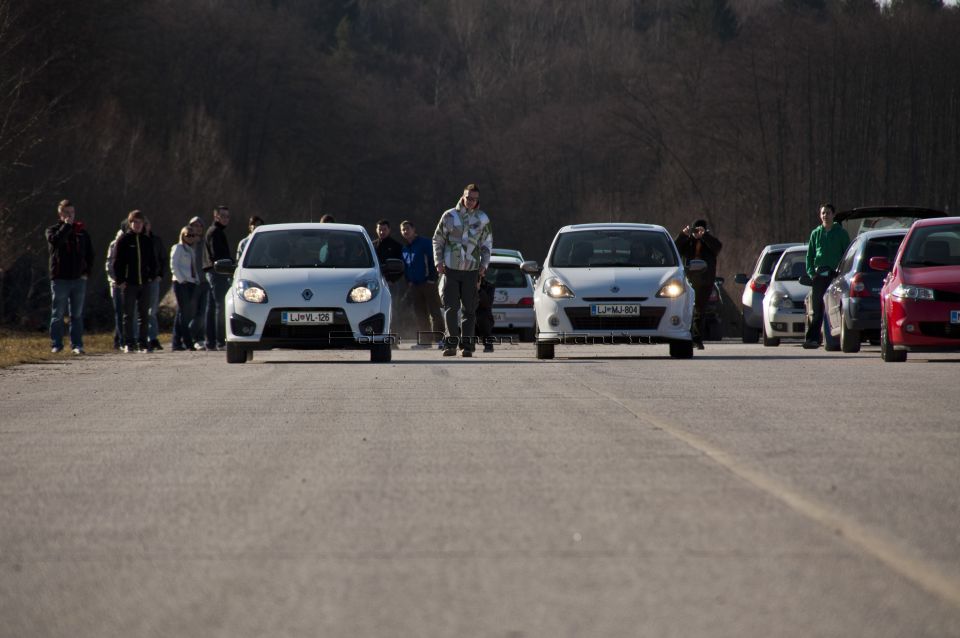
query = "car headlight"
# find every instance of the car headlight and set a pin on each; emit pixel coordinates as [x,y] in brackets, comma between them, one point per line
[363,292]
[913,292]
[672,289]
[780,300]
[251,291]
[557,289]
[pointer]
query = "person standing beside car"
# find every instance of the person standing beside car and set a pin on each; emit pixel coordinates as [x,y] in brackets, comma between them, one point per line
[135,268]
[828,242]
[697,242]
[216,247]
[421,275]
[198,327]
[71,257]
[462,243]
[184,272]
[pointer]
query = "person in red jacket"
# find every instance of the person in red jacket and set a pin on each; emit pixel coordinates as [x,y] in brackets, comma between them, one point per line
[71,257]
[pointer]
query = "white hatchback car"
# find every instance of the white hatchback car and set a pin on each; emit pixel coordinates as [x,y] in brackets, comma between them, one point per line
[613,283]
[512,297]
[784,314]
[308,286]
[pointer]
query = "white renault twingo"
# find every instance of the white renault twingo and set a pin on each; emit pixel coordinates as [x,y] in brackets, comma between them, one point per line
[613,283]
[308,286]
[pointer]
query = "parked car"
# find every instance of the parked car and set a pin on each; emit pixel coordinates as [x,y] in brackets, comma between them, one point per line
[755,286]
[613,283]
[784,300]
[507,252]
[867,218]
[512,297]
[920,299]
[852,300]
[308,286]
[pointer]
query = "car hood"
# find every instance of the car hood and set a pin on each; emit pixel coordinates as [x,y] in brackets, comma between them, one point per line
[942,277]
[587,282]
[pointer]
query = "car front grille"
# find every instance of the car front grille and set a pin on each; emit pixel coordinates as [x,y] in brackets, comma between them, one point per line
[946,295]
[649,319]
[339,329]
[940,329]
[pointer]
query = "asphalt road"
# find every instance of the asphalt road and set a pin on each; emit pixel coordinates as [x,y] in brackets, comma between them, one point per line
[611,492]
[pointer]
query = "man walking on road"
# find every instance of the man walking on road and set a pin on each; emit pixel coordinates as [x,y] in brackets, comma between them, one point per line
[71,257]
[462,244]
[217,247]
[828,242]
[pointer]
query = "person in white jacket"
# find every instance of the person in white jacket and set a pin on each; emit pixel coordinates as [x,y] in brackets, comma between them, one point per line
[184,273]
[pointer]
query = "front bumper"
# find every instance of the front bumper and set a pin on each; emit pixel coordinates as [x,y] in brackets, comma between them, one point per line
[787,323]
[924,326]
[570,322]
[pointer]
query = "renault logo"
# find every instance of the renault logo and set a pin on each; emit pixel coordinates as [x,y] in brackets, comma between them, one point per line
[615,289]
[307,294]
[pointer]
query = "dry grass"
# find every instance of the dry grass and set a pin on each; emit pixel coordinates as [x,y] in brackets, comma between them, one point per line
[22,346]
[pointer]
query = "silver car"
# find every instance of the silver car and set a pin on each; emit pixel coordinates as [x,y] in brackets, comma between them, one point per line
[512,297]
[755,286]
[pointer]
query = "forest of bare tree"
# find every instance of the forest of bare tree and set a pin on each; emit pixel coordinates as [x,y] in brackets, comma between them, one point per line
[748,114]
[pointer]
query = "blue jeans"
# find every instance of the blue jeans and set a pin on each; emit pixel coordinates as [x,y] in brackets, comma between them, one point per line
[186,308]
[63,292]
[153,299]
[216,322]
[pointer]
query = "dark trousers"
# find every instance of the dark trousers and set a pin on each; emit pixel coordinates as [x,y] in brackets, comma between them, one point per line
[198,327]
[820,284]
[116,296]
[216,323]
[426,305]
[186,295]
[458,293]
[136,302]
[700,300]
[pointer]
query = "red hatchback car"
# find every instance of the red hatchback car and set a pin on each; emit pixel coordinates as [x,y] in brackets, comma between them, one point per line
[921,295]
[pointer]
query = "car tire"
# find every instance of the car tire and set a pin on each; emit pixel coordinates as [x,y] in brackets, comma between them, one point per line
[849,339]
[748,334]
[381,353]
[544,351]
[681,349]
[236,353]
[527,335]
[830,343]
[887,353]
[770,342]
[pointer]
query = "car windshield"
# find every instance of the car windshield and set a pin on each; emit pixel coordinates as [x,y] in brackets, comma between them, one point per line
[859,225]
[616,247]
[768,262]
[792,266]
[308,248]
[933,246]
[506,276]
[879,247]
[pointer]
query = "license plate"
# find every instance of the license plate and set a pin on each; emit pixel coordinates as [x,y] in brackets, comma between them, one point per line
[314,318]
[955,316]
[498,316]
[614,310]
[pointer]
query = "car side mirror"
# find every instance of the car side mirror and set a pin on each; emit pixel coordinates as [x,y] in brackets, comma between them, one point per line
[741,278]
[696,265]
[879,263]
[224,266]
[393,267]
[805,280]
[530,267]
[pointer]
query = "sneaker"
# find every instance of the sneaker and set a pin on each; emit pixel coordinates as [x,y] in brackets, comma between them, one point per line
[810,345]
[449,352]
[467,354]
[56,349]
[156,345]
[127,349]
[488,348]
[698,345]
[198,346]
[77,350]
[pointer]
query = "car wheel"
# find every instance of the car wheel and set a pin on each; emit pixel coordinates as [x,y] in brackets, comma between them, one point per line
[544,351]
[830,343]
[236,353]
[381,353]
[681,349]
[770,342]
[748,334]
[849,339]
[526,335]
[887,353]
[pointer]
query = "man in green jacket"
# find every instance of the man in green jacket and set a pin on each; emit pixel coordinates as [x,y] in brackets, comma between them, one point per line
[828,242]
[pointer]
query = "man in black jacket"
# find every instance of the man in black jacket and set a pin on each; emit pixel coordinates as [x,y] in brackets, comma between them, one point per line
[389,248]
[697,242]
[216,247]
[71,257]
[135,268]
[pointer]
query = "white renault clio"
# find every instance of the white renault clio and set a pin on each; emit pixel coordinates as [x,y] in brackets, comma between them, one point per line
[613,283]
[308,286]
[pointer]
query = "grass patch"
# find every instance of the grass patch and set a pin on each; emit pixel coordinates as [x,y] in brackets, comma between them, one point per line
[30,346]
